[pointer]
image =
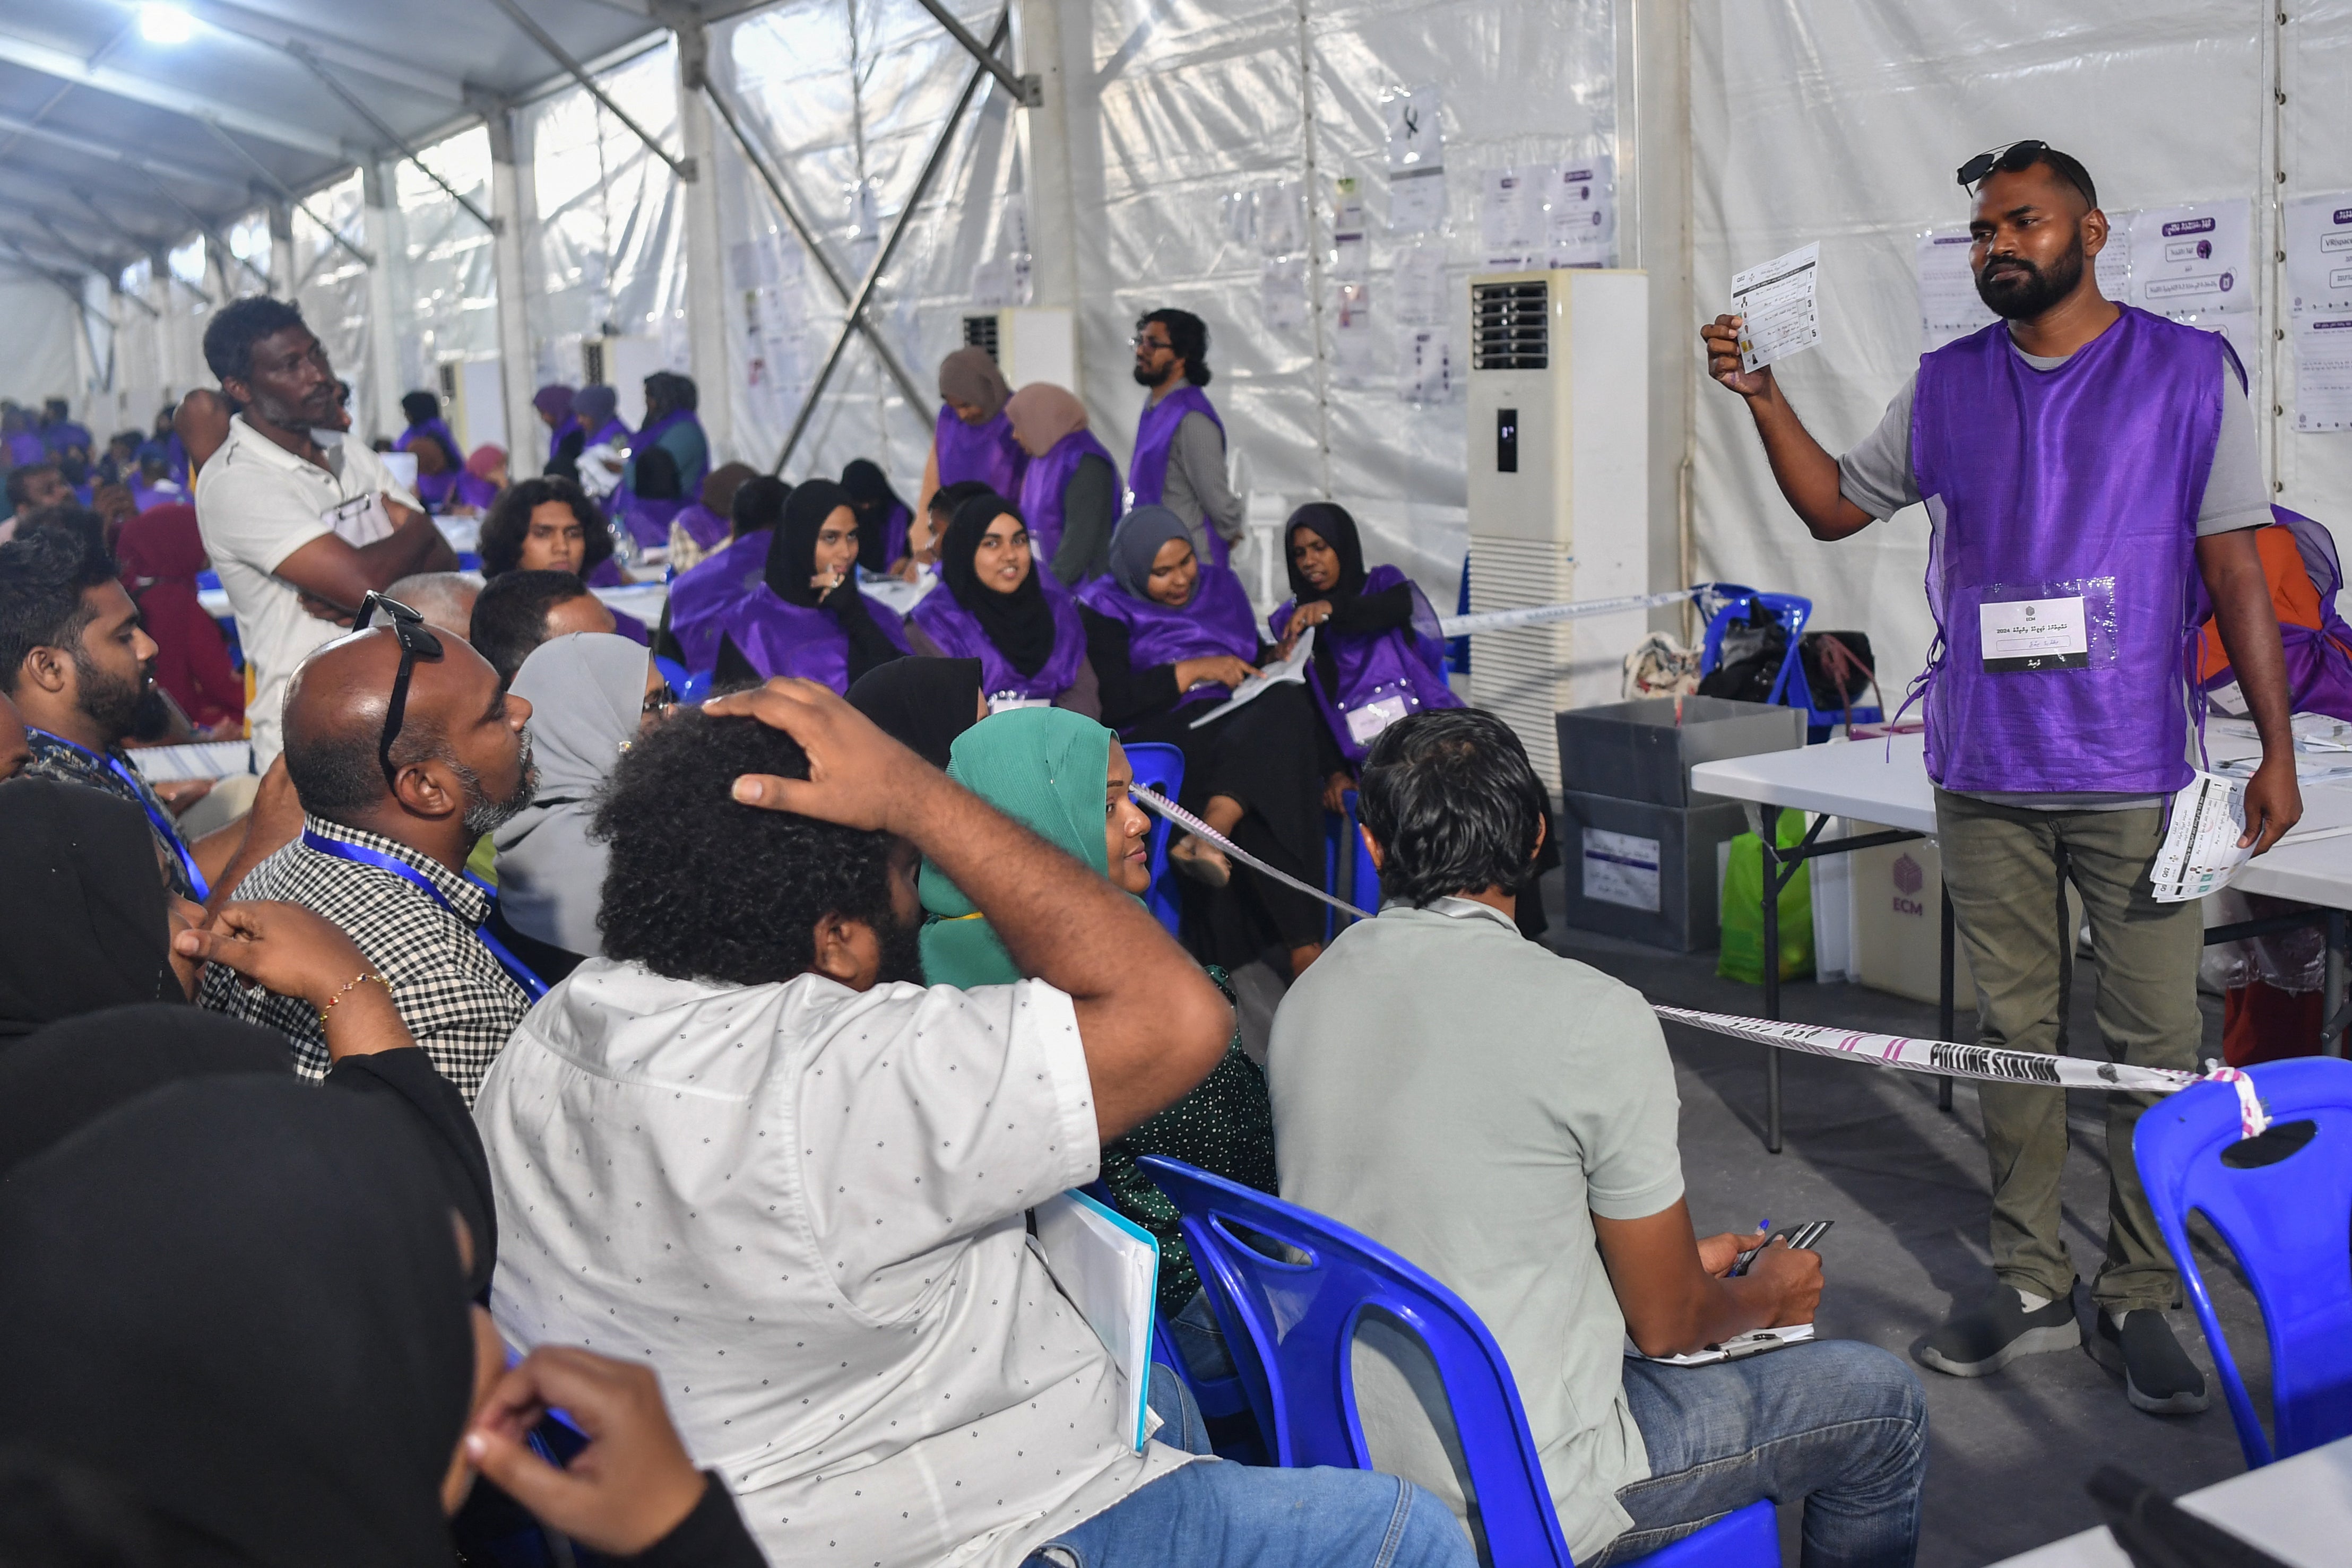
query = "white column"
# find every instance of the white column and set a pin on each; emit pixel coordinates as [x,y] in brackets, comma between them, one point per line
[1044,140]
[705,257]
[282,271]
[514,208]
[1653,194]
[379,394]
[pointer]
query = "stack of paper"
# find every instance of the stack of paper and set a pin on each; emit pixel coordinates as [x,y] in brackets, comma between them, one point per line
[1109,1266]
[2201,849]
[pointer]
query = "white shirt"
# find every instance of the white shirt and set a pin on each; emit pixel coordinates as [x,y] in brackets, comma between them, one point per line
[803,1206]
[257,503]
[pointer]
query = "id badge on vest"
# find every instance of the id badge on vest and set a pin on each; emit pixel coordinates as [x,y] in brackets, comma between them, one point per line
[2043,626]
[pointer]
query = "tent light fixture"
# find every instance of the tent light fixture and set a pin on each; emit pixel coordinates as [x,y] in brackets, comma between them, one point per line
[162,24]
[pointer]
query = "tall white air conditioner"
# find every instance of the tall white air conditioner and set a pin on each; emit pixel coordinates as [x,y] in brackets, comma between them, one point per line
[623,364]
[473,399]
[1559,474]
[1028,342]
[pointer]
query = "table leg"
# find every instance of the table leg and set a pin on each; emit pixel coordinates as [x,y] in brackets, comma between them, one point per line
[2333,990]
[1944,1000]
[1771,836]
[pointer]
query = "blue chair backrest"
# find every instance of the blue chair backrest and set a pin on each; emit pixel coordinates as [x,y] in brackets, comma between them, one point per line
[1301,1319]
[1362,887]
[675,673]
[2288,1224]
[1792,611]
[1159,767]
[695,688]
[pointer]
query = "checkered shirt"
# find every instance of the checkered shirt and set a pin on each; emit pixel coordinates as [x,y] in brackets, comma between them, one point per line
[69,764]
[450,991]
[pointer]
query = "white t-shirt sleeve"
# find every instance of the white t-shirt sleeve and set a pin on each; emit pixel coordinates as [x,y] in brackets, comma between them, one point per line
[927,1123]
[252,515]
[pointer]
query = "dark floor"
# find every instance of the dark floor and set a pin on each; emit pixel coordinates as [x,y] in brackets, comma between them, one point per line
[1906,1184]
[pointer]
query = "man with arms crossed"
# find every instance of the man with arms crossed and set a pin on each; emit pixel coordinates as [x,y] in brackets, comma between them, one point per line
[1506,1119]
[268,503]
[2090,461]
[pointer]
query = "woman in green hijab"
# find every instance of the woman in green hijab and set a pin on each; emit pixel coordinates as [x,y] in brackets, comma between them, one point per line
[1067,777]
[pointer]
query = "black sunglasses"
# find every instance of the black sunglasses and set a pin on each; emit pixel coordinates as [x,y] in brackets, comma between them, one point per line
[415,642]
[2009,159]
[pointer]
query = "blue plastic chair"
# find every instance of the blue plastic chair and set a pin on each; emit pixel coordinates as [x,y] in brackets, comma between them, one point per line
[1457,648]
[1363,888]
[674,673]
[1292,1329]
[2286,1221]
[1160,766]
[1732,604]
[695,688]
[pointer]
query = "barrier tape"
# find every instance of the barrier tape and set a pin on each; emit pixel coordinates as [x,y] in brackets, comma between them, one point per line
[1191,824]
[1538,614]
[1985,1063]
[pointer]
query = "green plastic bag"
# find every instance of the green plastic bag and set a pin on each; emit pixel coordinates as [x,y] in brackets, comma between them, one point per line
[1742,956]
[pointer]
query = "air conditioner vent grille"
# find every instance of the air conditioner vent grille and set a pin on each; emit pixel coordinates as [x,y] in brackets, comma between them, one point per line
[979,332]
[1510,326]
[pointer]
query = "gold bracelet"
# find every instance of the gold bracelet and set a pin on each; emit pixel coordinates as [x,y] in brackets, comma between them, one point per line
[348,986]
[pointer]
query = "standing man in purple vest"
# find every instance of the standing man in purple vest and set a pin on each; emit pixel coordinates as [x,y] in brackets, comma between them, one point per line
[2085,462]
[1180,445]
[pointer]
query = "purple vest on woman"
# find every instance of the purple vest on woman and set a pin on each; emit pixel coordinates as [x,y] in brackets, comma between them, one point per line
[782,638]
[1382,676]
[2062,567]
[614,431]
[894,535]
[647,521]
[983,451]
[959,635]
[703,526]
[1218,621]
[646,440]
[700,599]
[1041,487]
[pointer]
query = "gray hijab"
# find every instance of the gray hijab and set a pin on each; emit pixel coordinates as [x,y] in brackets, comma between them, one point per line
[1136,542]
[586,692]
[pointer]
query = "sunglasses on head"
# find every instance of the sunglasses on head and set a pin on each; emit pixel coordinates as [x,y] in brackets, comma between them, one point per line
[2006,160]
[417,641]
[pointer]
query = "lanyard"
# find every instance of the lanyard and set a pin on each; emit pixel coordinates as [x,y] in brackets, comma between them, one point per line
[517,970]
[156,815]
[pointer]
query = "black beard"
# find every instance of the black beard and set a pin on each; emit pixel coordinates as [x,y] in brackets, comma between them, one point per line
[483,815]
[1144,378]
[902,952]
[109,704]
[2021,290]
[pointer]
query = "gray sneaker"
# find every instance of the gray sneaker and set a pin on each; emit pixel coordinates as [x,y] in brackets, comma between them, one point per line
[1987,1337]
[2158,1376]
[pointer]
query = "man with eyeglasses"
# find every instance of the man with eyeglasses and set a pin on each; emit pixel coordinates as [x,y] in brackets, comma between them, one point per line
[287,505]
[1180,444]
[2086,465]
[404,749]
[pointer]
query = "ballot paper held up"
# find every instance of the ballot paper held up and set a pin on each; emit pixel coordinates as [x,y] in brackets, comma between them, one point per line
[1291,670]
[2201,848]
[1775,304]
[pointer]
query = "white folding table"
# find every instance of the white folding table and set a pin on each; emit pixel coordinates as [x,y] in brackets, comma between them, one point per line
[2298,1510]
[1884,780]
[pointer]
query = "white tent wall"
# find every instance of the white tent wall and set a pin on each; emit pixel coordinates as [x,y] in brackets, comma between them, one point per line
[847,101]
[451,300]
[43,360]
[331,286]
[1842,121]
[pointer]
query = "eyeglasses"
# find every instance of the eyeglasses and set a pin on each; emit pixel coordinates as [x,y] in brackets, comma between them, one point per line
[1155,344]
[415,642]
[2009,159]
[659,700]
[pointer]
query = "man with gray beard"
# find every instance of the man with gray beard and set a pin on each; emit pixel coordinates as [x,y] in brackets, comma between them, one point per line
[404,752]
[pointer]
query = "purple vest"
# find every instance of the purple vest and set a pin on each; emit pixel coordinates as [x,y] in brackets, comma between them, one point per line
[1041,487]
[701,599]
[1155,437]
[439,427]
[894,535]
[629,626]
[606,573]
[782,638]
[24,447]
[2318,658]
[1218,621]
[1384,677]
[613,431]
[703,526]
[959,635]
[648,521]
[983,451]
[650,436]
[2066,495]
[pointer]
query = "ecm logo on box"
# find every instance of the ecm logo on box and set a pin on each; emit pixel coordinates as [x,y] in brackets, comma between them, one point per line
[1909,879]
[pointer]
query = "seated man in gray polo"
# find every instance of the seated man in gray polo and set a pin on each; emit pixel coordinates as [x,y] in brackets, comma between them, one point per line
[1505,1118]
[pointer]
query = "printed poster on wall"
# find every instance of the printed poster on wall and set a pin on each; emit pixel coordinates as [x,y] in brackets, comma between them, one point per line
[1282,293]
[1354,356]
[2319,244]
[1424,366]
[2113,267]
[1417,284]
[1581,213]
[2193,264]
[1351,251]
[1949,306]
[1416,160]
[1510,218]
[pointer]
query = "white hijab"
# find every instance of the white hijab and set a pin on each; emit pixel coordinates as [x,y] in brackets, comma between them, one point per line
[586,692]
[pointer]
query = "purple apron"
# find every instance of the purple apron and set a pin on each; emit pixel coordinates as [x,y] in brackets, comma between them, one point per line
[613,431]
[1217,620]
[959,634]
[983,451]
[894,535]
[1155,436]
[701,599]
[647,521]
[705,528]
[2062,568]
[1041,487]
[780,639]
[26,446]
[1384,677]
[177,455]
[629,626]
[606,574]
[64,436]
[2318,658]
[650,437]
[439,427]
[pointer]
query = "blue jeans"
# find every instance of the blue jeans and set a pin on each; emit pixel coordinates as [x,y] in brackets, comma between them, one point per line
[1842,1424]
[1213,1514]
[1201,1341]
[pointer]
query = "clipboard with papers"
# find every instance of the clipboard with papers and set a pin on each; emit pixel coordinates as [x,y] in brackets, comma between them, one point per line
[1291,670]
[1109,1268]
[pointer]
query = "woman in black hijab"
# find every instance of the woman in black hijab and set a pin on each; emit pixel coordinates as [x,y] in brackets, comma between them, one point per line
[84,919]
[922,704]
[812,621]
[882,517]
[997,603]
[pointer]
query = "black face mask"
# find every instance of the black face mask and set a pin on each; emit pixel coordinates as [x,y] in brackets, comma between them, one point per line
[2017,290]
